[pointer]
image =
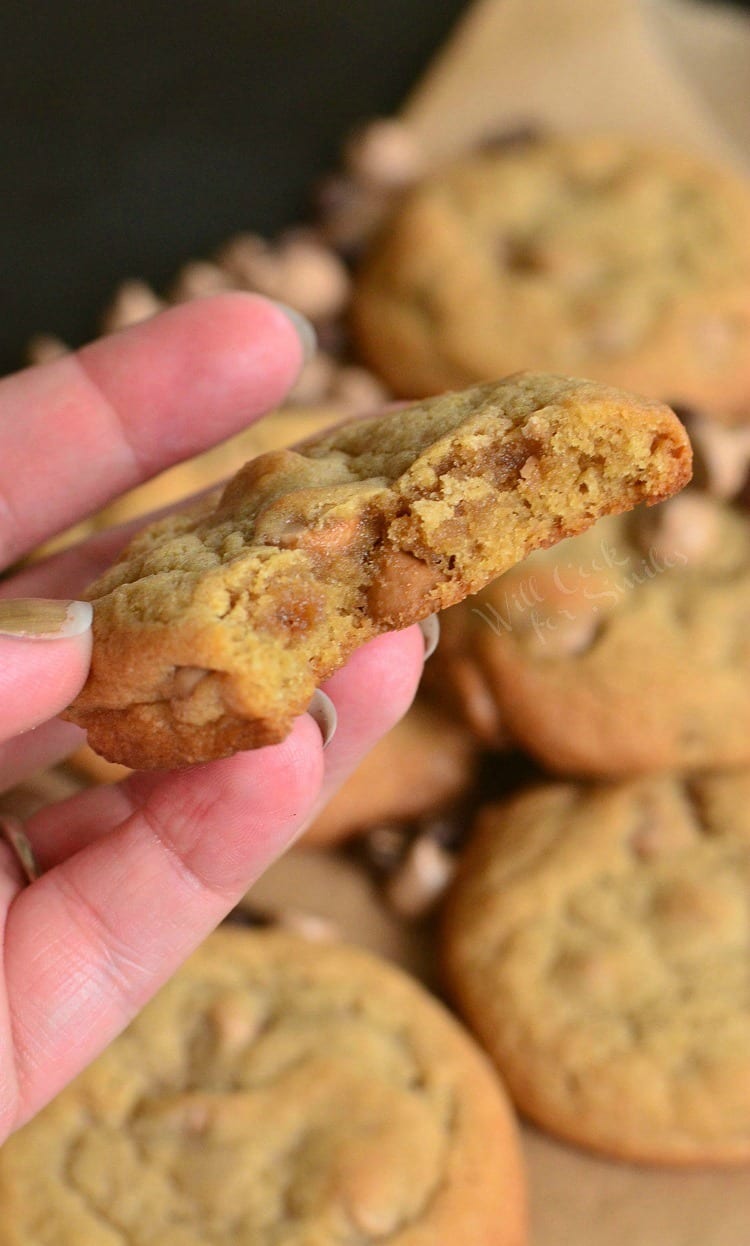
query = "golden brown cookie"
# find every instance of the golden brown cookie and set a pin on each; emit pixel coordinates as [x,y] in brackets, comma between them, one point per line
[276,1091]
[598,941]
[280,428]
[421,765]
[593,256]
[214,627]
[623,651]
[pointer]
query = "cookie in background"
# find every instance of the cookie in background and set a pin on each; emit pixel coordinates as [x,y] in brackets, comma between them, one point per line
[623,651]
[589,256]
[276,1087]
[423,765]
[597,941]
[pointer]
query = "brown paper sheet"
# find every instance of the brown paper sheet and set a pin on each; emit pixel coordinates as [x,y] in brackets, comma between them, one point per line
[577,65]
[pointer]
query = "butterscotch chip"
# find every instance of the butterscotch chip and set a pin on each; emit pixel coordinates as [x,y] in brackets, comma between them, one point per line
[422,878]
[45,348]
[134,301]
[722,455]
[687,529]
[385,155]
[622,652]
[423,763]
[598,940]
[299,270]
[280,1091]
[594,256]
[269,585]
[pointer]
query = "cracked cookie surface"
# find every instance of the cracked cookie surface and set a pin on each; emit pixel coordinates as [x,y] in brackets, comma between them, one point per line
[621,652]
[598,941]
[591,256]
[215,626]
[275,1093]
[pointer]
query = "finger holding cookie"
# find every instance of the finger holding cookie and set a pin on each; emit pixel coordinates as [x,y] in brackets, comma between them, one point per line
[129,880]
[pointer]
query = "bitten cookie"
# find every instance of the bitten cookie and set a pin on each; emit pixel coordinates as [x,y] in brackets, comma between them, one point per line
[598,941]
[623,651]
[593,256]
[275,1091]
[214,627]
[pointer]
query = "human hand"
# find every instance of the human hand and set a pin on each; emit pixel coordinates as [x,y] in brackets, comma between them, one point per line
[134,876]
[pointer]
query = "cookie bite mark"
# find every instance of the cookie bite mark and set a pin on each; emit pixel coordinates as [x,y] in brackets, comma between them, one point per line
[308,553]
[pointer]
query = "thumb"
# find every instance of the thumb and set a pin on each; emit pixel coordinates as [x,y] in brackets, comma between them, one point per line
[45,650]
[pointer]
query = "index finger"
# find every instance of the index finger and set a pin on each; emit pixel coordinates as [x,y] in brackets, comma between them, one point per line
[76,432]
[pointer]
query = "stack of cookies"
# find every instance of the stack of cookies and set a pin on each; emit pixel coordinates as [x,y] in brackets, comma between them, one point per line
[562,812]
[597,933]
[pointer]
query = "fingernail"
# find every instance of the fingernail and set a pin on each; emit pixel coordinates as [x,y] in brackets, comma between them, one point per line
[430,629]
[323,711]
[12,831]
[304,330]
[38,618]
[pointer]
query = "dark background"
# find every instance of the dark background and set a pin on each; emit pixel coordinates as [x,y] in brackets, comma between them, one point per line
[136,134]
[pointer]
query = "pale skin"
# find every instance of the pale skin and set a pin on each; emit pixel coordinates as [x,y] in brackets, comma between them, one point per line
[136,875]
